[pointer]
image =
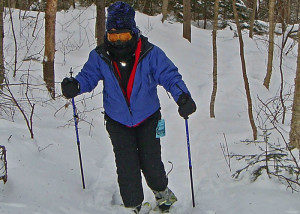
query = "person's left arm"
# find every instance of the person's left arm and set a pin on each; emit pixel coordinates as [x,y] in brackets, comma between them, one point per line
[167,75]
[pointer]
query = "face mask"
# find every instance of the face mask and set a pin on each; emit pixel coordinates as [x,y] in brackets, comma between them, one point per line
[122,50]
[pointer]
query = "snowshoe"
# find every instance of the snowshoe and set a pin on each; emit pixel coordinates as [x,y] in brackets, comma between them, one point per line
[144,208]
[165,199]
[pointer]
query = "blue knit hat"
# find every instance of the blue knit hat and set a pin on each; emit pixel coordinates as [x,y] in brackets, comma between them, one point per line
[120,15]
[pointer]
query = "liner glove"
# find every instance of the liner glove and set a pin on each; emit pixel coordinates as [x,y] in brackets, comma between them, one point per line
[186,105]
[70,87]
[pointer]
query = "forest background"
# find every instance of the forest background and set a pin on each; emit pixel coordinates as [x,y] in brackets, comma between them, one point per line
[276,23]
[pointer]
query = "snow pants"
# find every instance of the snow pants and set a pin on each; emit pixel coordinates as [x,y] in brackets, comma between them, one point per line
[137,149]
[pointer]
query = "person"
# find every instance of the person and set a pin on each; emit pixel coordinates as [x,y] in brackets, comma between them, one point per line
[131,69]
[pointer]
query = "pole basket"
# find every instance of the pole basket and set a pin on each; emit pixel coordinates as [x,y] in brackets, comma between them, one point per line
[3,164]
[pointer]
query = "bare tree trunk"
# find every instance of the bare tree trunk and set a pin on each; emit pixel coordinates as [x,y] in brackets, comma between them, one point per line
[48,63]
[22,4]
[282,19]
[164,10]
[271,43]
[12,3]
[205,14]
[295,124]
[187,20]
[147,7]
[252,18]
[100,21]
[215,61]
[2,69]
[246,82]
[73,3]
[288,12]
[298,11]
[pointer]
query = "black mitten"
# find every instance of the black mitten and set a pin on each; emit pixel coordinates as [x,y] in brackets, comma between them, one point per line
[186,104]
[70,87]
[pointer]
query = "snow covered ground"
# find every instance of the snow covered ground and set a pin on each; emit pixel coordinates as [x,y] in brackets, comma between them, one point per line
[44,174]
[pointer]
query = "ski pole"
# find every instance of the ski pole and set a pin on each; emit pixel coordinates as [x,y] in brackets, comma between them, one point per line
[77,136]
[190,159]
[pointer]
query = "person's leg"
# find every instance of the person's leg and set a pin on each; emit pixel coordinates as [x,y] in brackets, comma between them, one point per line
[127,161]
[150,153]
[151,163]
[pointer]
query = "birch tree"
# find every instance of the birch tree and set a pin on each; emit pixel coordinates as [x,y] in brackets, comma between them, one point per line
[244,70]
[215,61]
[48,62]
[187,20]
[271,43]
[295,124]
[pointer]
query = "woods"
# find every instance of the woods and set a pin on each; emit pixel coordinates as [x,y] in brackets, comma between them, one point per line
[242,65]
[194,13]
[272,20]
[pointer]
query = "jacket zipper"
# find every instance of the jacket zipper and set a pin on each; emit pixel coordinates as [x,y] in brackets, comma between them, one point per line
[118,78]
[119,81]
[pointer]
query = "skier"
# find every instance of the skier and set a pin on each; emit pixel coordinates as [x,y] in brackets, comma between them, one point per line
[131,69]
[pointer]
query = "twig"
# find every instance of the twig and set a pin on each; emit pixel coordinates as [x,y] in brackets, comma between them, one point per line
[227,151]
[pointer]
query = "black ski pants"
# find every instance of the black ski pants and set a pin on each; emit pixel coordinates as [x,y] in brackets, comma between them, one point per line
[137,149]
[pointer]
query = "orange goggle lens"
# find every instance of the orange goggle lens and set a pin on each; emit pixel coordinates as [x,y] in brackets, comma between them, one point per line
[122,36]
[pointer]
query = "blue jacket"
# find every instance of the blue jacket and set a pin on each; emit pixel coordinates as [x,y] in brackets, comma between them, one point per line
[154,68]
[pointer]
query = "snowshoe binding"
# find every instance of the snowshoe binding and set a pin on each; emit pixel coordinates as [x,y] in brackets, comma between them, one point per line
[144,208]
[164,199]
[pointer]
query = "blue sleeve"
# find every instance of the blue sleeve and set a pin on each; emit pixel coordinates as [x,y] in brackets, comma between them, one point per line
[90,74]
[166,74]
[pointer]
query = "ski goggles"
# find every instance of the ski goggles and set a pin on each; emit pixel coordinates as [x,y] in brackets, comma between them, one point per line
[122,35]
